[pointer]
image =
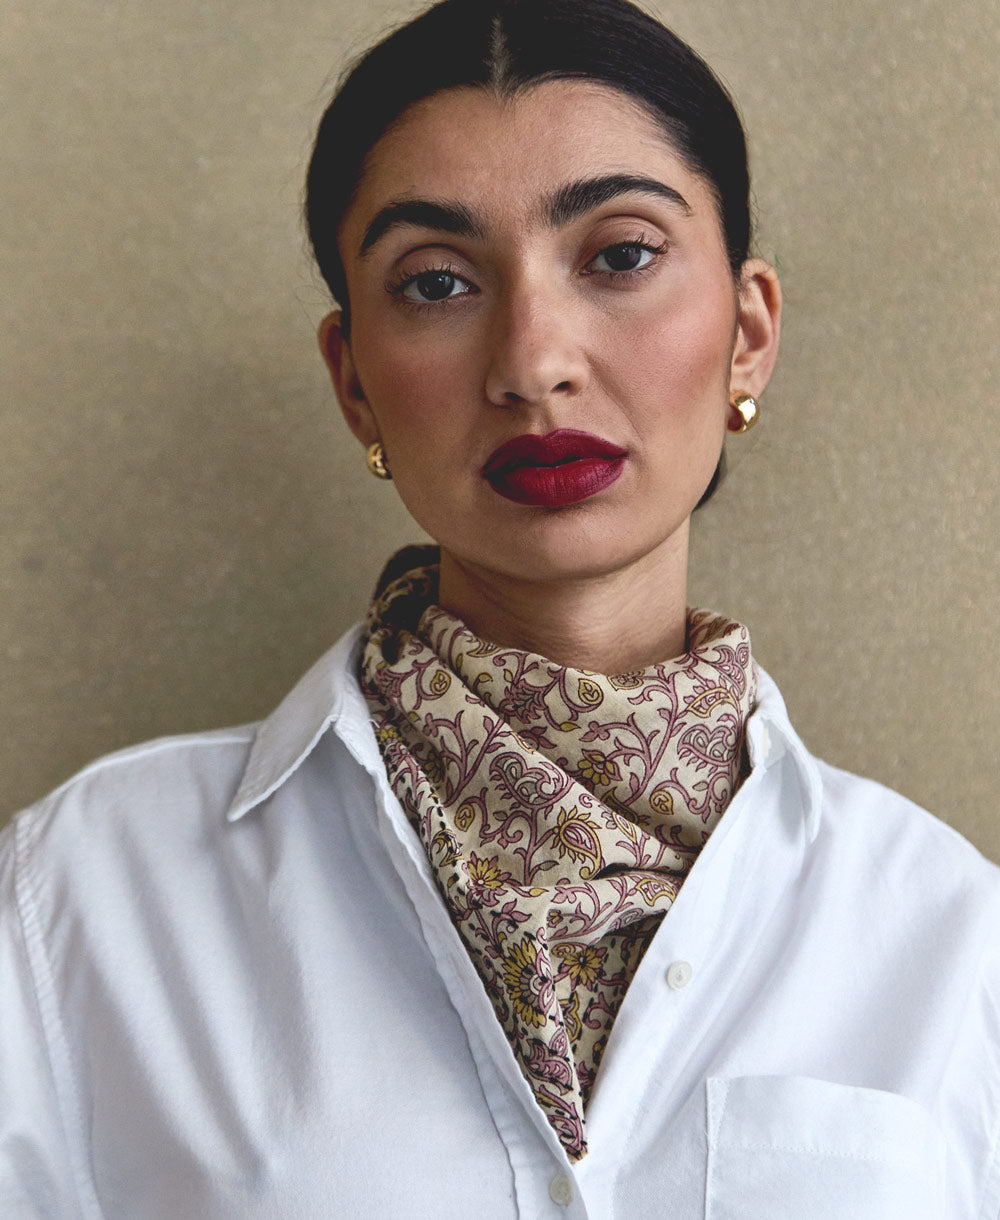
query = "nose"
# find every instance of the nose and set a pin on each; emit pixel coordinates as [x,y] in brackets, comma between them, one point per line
[536,353]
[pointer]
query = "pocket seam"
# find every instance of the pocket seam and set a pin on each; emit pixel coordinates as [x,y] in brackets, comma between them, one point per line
[723,1140]
[805,1151]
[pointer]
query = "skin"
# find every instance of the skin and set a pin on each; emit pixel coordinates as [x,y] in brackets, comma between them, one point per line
[542,332]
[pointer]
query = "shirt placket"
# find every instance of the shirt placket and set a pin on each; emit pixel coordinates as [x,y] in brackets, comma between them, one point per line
[652,1060]
[545,1179]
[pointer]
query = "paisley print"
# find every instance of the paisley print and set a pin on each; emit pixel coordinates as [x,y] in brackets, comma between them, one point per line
[560,810]
[574,836]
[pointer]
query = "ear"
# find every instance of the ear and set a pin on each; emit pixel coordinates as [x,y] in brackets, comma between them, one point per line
[758,326]
[336,353]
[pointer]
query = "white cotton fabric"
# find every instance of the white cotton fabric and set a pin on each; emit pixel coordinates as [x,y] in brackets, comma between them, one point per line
[229,990]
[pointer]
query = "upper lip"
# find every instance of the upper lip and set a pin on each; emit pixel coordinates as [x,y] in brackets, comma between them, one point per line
[563,445]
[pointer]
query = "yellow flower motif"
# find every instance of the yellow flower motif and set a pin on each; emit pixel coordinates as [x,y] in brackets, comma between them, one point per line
[485,874]
[583,962]
[575,836]
[626,681]
[661,801]
[465,815]
[598,769]
[590,692]
[479,682]
[705,702]
[440,682]
[571,1017]
[526,986]
[487,881]
[484,649]
[433,768]
[386,734]
[653,889]
[447,845]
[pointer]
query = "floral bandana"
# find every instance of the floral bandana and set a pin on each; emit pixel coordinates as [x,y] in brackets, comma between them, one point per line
[560,810]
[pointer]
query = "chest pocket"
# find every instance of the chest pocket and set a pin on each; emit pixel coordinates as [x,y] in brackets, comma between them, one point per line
[794,1148]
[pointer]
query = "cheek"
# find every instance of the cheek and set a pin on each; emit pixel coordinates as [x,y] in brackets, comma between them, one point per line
[413,389]
[422,394]
[673,363]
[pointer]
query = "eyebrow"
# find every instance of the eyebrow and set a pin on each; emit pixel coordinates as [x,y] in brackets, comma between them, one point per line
[423,214]
[558,209]
[576,198]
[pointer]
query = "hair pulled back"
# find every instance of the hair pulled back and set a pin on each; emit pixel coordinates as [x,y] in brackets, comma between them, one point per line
[510,45]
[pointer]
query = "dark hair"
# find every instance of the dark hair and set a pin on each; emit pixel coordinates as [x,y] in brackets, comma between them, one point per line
[510,45]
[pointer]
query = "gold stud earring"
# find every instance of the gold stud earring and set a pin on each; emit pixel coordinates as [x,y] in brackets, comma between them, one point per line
[376,460]
[747,412]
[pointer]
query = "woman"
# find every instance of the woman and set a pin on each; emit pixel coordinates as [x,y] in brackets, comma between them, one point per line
[580,928]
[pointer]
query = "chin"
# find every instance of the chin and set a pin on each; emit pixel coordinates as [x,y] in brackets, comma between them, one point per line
[574,543]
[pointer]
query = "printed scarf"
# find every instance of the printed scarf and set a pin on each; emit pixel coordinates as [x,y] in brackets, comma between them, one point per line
[560,810]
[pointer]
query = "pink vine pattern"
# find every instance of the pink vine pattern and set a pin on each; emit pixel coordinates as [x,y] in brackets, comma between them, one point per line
[560,810]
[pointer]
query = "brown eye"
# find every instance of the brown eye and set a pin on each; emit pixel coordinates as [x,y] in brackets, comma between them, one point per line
[437,285]
[627,256]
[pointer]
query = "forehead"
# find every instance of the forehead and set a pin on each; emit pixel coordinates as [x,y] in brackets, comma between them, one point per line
[504,154]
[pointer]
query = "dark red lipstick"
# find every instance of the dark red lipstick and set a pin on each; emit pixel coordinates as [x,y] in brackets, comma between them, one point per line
[549,471]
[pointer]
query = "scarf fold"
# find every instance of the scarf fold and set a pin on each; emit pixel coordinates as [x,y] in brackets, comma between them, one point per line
[560,810]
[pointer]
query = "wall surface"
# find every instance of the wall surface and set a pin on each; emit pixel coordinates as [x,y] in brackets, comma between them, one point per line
[186,523]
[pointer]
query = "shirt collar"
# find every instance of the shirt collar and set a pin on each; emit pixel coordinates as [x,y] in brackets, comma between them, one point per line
[770,737]
[328,696]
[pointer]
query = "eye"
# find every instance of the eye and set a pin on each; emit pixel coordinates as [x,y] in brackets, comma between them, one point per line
[435,285]
[625,256]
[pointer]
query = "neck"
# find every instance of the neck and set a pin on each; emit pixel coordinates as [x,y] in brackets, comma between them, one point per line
[610,623]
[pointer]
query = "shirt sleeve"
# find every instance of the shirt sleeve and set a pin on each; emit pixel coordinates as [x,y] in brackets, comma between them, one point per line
[36,1181]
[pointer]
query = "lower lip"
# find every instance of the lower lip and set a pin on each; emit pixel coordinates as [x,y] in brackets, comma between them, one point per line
[555,486]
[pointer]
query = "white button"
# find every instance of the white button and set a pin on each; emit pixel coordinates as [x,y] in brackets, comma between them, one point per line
[561,1190]
[679,975]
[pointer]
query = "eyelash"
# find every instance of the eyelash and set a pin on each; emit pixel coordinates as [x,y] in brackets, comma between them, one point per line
[641,242]
[396,288]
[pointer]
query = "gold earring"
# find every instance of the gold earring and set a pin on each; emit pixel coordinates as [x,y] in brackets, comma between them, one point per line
[747,412]
[376,460]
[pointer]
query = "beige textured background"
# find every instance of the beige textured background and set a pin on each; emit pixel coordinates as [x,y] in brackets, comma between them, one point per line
[186,523]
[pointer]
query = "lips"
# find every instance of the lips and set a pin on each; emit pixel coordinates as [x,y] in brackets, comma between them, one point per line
[550,471]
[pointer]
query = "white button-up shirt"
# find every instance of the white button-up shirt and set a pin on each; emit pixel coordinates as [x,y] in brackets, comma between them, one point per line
[230,991]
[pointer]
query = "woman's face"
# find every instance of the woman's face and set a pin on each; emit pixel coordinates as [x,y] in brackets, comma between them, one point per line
[548,264]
